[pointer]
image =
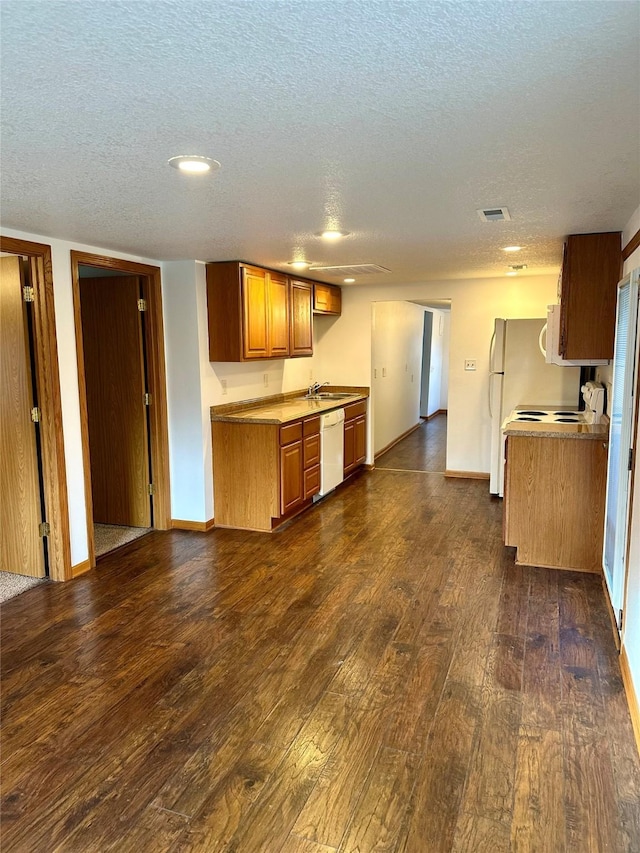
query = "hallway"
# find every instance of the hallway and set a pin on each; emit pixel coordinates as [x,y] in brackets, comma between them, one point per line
[378,675]
[425,449]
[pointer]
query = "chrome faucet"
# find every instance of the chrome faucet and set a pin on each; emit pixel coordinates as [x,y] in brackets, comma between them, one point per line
[315,387]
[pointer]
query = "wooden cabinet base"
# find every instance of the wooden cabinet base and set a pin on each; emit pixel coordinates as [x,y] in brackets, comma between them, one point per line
[554,502]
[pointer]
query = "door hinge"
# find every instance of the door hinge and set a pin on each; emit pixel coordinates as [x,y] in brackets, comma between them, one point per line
[28,294]
[619,620]
[44,529]
[142,304]
[35,415]
[152,489]
[630,459]
[147,399]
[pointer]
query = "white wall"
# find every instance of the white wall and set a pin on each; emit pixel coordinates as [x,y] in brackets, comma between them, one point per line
[68,370]
[396,351]
[444,379]
[631,635]
[344,350]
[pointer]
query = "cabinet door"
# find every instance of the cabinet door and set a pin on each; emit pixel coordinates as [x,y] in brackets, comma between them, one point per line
[360,440]
[278,302]
[255,329]
[591,270]
[291,476]
[311,451]
[327,299]
[301,318]
[349,446]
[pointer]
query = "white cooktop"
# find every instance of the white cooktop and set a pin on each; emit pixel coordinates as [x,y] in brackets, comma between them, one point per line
[547,416]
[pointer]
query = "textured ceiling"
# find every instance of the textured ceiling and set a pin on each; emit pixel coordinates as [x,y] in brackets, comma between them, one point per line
[392,120]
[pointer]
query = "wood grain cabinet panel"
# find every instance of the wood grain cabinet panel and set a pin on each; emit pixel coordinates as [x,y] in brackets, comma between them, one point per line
[291,477]
[355,436]
[360,439]
[301,325]
[311,481]
[591,269]
[255,320]
[554,501]
[278,310]
[327,299]
[311,450]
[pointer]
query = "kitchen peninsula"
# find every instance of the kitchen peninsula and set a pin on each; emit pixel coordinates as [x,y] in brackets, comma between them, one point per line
[555,480]
[267,453]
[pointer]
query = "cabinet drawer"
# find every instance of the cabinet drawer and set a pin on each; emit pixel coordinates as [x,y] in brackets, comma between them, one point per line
[311,426]
[311,482]
[311,450]
[355,409]
[290,432]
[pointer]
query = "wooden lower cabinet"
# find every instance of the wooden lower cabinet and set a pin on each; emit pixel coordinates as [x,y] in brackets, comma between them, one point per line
[554,501]
[355,436]
[264,473]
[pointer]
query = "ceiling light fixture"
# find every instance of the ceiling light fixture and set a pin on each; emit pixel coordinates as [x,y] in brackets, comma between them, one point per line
[518,267]
[513,272]
[511,248]
[300,265]
[194,164]
[349,280]
[331,234]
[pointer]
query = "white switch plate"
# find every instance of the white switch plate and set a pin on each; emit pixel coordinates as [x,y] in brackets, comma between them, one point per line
[223,383]
[266,380]
[469,364]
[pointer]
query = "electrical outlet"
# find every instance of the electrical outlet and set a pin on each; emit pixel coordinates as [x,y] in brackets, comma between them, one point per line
[266,380]
[375,372]
[384,372]
[223,383]
[311,375]
[469,364]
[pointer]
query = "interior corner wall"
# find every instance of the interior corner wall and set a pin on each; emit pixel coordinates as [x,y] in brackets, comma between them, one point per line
[396,347]
[187,436]
[68,372]
[444,379]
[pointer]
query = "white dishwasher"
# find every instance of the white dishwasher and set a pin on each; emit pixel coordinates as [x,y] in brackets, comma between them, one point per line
[331,451]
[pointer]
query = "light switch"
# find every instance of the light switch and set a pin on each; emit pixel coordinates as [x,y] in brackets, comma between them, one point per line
[223,383]
[469,364]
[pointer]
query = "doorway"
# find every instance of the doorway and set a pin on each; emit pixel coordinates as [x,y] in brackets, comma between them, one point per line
[123,401]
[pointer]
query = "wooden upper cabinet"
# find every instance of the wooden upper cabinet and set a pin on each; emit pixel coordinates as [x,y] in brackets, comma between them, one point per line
[301,340]
[278,314]
[591,269]
[327,299]
[248,312]
[255,317]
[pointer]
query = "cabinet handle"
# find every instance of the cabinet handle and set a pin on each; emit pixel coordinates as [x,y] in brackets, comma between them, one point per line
[605,444]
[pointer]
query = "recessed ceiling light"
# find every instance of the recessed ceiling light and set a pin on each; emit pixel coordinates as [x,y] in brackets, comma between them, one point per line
[349,280]
[331,234]
[300,265]
[193,164]
[512,248]
[513,272]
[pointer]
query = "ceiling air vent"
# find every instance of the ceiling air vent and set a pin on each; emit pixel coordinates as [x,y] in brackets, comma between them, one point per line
[494,214]
[350,269]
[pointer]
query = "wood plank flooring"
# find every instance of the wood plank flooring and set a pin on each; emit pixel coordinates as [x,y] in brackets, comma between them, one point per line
[376,676]
[423,450]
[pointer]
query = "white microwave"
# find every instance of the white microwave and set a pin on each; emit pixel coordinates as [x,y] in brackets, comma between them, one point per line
[551,348]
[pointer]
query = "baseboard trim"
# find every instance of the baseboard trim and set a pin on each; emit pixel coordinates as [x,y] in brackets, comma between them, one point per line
[80,568]
[435,414]
[201,526]
[467,475]
[632,696]
[397,440]
[612,617]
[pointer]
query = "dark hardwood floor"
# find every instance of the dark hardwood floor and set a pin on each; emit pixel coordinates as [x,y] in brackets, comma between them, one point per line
[422,450]
[378,675]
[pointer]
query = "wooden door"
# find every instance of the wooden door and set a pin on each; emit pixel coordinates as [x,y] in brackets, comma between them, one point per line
[291,476]
[116,412]
[255,331]
[278,300]
[301,318]
[21,548]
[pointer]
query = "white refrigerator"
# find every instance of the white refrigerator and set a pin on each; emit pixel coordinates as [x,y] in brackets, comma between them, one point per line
[520,376]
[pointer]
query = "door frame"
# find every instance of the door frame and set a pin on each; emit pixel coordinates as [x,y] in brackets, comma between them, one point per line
[45,358]
[156,378]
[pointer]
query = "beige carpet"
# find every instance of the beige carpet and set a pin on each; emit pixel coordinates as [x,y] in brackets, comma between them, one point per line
[108,537]
[12,585]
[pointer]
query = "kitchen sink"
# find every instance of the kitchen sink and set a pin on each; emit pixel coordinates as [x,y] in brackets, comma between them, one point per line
[328,395]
